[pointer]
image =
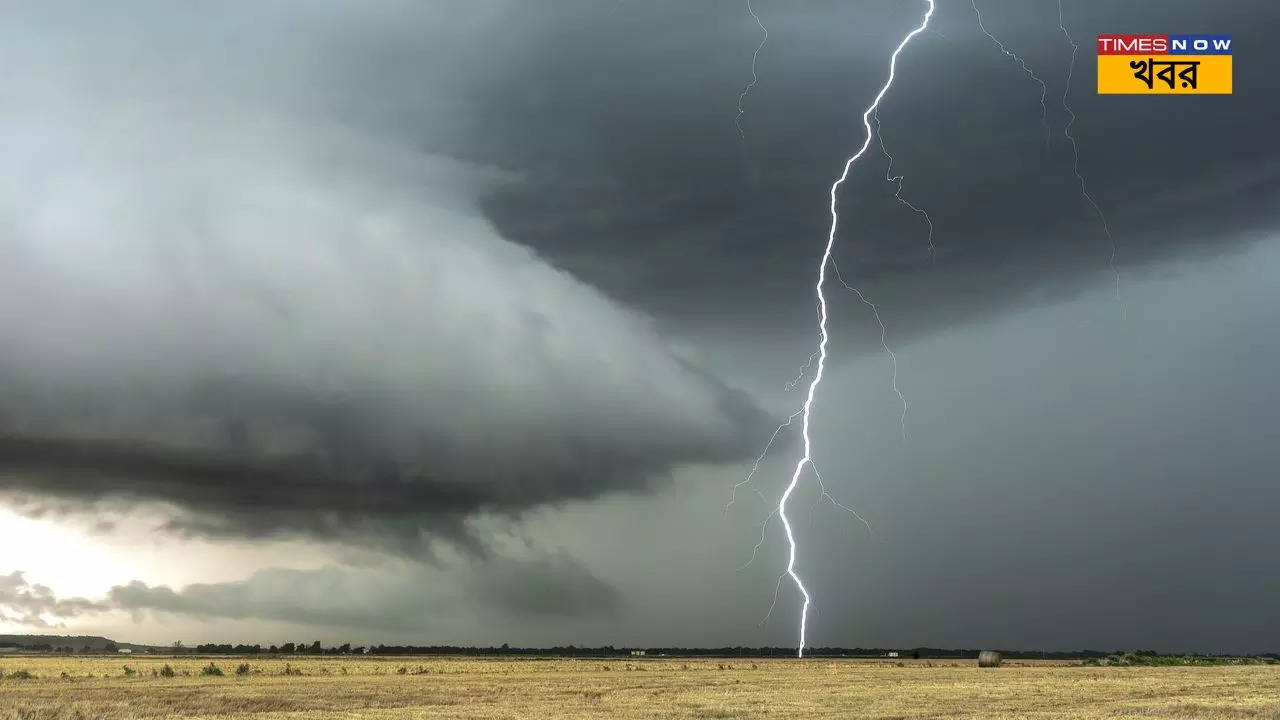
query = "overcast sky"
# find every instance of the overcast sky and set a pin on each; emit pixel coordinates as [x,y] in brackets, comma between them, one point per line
[458,322]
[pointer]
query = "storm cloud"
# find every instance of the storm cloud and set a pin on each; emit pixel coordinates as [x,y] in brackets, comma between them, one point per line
[283,322]
[708,229]
[373,275]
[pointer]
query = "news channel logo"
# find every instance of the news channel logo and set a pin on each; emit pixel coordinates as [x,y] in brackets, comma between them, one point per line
[1164,64]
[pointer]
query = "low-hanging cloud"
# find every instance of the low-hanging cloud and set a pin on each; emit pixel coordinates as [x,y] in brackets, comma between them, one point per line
[397,596]
[281,324]
[414,597]
[35,605]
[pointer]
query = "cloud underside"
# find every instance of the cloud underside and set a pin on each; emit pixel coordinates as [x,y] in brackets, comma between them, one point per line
[277,322]
[296,355]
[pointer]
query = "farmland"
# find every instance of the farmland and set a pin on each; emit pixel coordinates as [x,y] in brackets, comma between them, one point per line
[391,688]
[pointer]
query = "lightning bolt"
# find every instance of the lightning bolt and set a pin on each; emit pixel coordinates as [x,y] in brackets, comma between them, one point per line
[890,177]
[1044,89]
[1075,151]
[737,120]
[807,458]
[823,496]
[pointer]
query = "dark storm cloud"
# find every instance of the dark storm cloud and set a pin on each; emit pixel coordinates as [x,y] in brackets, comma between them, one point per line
[240,278]
[223,488]
[644,187]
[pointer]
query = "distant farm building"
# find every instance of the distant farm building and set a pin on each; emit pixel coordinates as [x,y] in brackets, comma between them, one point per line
[637,653]
[125,651]
[892,653]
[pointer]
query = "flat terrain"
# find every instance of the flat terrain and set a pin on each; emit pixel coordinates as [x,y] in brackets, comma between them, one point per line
[387,688]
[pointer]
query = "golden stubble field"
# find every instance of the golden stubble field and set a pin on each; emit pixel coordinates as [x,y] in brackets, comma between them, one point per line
[388,688]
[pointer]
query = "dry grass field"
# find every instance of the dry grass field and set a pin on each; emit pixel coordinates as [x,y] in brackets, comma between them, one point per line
[87,688]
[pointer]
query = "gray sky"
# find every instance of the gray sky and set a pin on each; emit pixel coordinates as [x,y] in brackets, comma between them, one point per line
[457,322]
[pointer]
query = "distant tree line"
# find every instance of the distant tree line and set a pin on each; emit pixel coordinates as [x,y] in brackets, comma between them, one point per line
[609,651]
[286,649]
[67,649]
[315,648]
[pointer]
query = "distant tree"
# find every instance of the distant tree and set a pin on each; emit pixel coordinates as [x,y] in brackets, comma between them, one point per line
[213,648]
[273,649]
[111,647]
[286,648]
[315,647]
[344,648]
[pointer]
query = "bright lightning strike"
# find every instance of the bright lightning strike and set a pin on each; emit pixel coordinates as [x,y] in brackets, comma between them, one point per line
[823,496]
[737,120]
[1075,151]
[807,457]
[1044,89]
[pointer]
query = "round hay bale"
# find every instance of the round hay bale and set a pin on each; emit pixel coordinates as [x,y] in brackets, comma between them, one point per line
[988,658]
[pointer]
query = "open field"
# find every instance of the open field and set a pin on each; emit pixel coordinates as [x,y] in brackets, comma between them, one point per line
[390,688]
